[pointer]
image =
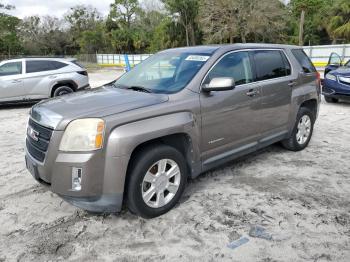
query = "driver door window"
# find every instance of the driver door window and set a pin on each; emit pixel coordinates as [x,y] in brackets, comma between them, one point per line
[12,68]
[236,65]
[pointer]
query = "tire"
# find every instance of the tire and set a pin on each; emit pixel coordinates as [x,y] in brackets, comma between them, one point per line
[62,90]
[148,161]
[296,142]
[330,99]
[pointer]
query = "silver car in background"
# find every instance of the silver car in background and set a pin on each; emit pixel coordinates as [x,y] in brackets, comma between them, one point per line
[40,78]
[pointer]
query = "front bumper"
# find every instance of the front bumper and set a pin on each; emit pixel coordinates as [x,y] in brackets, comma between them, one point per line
[94,195]
[335,89]
[103,204]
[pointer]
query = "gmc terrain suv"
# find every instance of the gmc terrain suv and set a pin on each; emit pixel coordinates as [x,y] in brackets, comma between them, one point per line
[178,114]
[40,78]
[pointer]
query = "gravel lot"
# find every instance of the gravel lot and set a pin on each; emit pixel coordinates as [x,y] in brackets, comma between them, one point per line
[301,199]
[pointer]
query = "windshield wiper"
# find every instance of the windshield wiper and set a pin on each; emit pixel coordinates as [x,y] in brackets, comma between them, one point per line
[135,88]
[140,89]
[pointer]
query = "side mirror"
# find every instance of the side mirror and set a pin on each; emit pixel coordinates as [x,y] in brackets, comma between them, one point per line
[220,84]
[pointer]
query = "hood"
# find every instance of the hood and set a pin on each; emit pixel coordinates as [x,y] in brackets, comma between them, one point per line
[98,102]
[342,71]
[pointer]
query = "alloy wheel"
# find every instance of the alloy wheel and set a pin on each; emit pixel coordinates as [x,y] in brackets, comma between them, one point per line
[161,183]
[304,130]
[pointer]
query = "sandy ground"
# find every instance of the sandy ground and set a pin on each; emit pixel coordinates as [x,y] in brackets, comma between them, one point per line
[301,199]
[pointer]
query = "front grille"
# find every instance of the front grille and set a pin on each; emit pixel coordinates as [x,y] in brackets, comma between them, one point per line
[344,83]
[37,148]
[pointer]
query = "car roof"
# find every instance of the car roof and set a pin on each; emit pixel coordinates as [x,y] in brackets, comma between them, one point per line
[210,49]
[205,49]
[40,59]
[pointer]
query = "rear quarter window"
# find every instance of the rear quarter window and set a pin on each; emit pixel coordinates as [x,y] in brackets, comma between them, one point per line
[58,65]
[304,61]
[78,64]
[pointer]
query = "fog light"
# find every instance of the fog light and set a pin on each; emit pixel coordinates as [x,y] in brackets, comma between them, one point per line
[76,178]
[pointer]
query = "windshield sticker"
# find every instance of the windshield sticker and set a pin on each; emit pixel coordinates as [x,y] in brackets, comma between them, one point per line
[199,58]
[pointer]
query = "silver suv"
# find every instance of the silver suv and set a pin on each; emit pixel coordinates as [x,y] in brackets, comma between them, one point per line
[176,115]
[40,78]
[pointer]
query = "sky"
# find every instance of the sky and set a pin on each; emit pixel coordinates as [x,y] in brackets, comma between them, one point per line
[53,7]
[59,7]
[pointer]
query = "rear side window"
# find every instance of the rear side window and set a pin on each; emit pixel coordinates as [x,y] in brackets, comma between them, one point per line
[271,64]
[304,61]
[43,65]
[12,68]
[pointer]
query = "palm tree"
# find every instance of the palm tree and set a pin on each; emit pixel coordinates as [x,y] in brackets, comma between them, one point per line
[339,22]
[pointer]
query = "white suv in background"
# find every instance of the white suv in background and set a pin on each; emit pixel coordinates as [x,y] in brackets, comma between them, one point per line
[40,78]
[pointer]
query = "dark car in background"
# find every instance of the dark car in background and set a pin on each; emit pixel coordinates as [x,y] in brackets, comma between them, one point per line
[336,84]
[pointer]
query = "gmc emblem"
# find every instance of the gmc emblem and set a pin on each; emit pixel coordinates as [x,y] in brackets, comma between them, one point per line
[33,134]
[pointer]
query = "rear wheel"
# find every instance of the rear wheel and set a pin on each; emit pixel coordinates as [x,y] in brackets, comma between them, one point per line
[157,180]
[302,131]
[62,90]
[330,99]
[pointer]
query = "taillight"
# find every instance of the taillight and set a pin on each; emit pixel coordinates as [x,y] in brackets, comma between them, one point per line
[318,82]
[318,75]
[84,73]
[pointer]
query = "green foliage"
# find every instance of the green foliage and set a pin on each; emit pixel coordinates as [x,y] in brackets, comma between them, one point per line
[147,26]
[167,34]
[185,12]
[314,16]
[9,42]
[94,40]
[231,21]
[44,36]
[121,22]
[84,21]
[338,26]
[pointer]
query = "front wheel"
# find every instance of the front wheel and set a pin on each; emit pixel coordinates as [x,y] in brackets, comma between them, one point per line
[157,180]
[302,131]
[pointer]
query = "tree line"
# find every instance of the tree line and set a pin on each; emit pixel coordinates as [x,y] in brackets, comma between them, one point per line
[149,26]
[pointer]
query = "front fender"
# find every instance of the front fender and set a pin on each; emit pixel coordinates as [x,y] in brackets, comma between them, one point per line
[124,139]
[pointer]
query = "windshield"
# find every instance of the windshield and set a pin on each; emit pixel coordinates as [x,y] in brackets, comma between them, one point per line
[163,73]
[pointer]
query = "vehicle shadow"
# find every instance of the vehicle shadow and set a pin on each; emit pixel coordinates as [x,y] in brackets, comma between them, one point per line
[212,175]
[343,102]
[239,162]
[16,106]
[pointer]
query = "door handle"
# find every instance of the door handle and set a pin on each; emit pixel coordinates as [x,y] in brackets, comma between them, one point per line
[16,81]
[252,92]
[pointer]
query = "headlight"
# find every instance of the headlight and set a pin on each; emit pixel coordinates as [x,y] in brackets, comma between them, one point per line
[344,79]
[329,76]
[83,135]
